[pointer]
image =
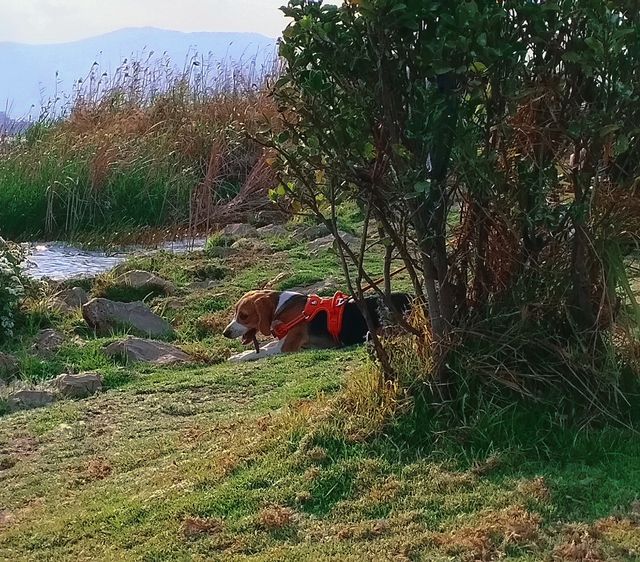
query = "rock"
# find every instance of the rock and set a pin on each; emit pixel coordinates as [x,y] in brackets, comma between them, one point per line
[277,279]
[70,300]
[28,399]
[323,288]
[308,233]
[48,343]
[221,252]
[9,365]
[270,214]
[78,386]
[174,303]
[145,280]
[250,245]
[105,317]
[327,242]
[203,285]
[147,351]
[239,231]
[273,231]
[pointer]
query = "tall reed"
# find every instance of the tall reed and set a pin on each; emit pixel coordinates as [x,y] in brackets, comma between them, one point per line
[133,149]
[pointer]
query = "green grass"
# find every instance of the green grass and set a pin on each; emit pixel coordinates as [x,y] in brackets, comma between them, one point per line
[289,459]
[52,197]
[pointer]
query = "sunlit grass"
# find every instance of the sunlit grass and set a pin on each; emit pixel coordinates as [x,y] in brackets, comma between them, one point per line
[300,457]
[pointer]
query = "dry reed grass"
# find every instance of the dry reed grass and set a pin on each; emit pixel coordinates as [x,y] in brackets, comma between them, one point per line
[146,148]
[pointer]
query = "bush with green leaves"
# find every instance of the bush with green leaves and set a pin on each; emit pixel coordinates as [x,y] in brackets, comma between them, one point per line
[11,285]
[496,146]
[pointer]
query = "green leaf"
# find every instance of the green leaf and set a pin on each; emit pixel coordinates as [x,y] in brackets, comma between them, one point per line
[622,145]
[422,186]
[438,69]
[608,129]
[369,151]
[478,67]
[595,45]
[571,56]
[398,8]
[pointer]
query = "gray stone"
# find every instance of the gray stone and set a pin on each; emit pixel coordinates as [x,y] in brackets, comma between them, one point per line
[327,242]
[271,213]
[278,279]
[239,231]
[221,252]
[308,233]
[203,285]
[9,365]
[273,231]
[78,386]
[146,351]
[48,343]
[250,245]
[70,300]
[105,317]
[145,280]
[28,399]
[323,288]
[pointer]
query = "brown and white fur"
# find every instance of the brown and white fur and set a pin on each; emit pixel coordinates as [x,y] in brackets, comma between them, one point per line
[258,311]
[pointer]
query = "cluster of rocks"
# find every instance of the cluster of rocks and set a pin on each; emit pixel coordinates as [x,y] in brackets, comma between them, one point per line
[67,385]
[106,316]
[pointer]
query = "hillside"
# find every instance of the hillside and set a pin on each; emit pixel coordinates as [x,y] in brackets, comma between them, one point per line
[292,458]
[34,74]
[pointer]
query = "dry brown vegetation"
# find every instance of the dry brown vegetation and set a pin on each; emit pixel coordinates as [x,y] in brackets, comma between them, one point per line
[175,156]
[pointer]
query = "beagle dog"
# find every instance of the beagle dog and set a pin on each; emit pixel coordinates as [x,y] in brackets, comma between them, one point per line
[262,312]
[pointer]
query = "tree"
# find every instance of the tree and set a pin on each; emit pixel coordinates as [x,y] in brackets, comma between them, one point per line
[494,143]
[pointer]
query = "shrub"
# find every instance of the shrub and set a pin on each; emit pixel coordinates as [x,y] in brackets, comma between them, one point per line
[495,144]
[11,286]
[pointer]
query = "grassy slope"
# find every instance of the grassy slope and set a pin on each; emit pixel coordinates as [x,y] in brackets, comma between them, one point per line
[276,460]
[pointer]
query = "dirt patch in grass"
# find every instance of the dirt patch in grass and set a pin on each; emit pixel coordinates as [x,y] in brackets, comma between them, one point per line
[194,526]
[275,517]
[98,469]
[491,534]
[580,544]
[21,448]
[6,518]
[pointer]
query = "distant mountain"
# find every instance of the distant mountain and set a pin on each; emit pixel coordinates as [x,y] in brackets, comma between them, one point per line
[31,75]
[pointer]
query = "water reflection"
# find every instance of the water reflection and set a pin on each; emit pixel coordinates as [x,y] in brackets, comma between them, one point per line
[60,261]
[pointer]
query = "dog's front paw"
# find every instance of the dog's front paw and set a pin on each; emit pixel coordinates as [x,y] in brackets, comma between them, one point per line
[238,358]
[242,357]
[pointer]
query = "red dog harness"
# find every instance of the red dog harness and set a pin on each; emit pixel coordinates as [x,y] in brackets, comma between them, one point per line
[333,306]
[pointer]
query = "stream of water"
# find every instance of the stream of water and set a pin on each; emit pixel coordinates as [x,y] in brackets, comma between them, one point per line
[59,261]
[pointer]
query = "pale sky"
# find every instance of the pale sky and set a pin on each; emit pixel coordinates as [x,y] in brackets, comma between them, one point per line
[54,21]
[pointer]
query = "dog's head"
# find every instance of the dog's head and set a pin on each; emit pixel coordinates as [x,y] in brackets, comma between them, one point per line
[254,313]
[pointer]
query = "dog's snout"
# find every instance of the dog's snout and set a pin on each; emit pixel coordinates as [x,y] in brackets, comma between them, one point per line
[234,330]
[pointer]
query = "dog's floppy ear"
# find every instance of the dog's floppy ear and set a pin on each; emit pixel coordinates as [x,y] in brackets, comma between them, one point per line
[265,308]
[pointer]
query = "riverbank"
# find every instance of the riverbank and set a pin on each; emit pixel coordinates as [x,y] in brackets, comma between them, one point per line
[289,458]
